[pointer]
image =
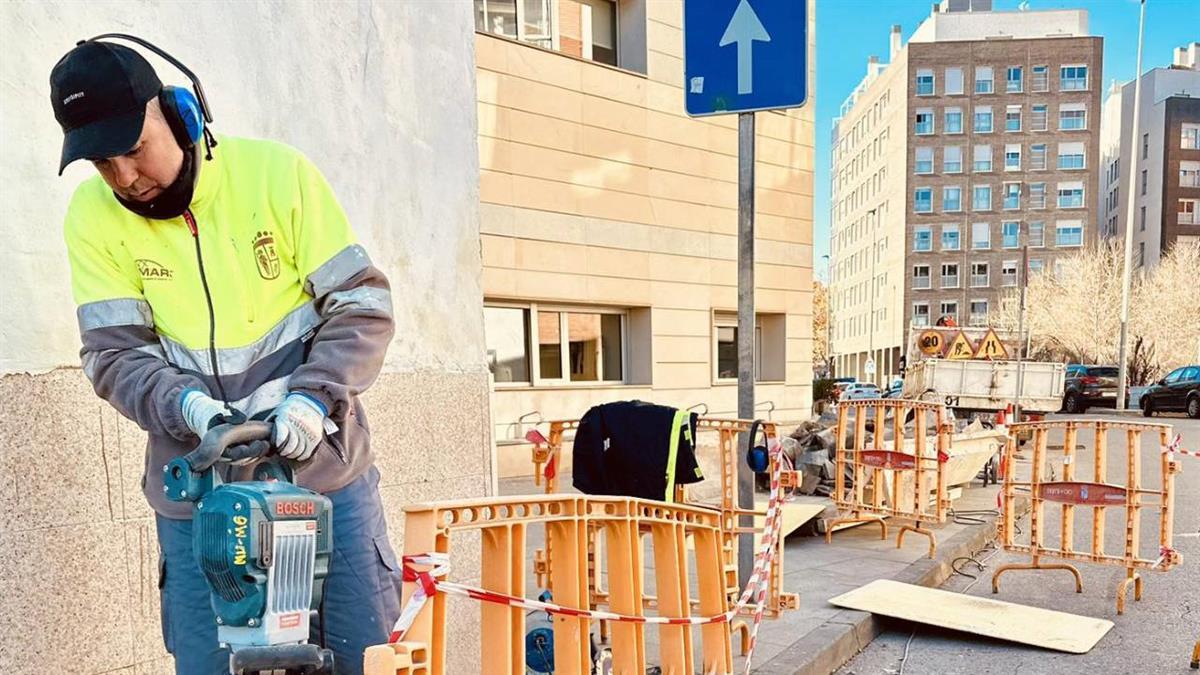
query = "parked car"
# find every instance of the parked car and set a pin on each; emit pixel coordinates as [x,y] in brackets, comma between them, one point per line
[1088,386]
[839,386]
[894,390]
[1179,391]
[860,390]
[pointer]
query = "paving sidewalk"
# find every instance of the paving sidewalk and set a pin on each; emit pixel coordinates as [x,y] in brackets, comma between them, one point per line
[818,637]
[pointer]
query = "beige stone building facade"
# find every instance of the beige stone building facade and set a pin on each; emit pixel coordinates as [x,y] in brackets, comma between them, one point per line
[1000,150]
[608,222]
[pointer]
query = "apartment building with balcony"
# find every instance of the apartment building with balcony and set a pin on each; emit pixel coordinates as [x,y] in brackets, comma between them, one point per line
[1163,154]
[998,150]
[609,222]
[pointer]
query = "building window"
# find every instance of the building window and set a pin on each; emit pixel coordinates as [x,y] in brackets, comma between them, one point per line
[507,332]
[1072,117]
[1144,182]
[1036,265]
[1012,196]
[921,276]
[981,198]
[982,159]
[1010,234]
[979,311]
[950,241]
[983,119]
[1190,136]
[923,200]
[1142,226]
[952,159]
[950,310]
[981,236]
[1145,146]
[1072,78]
[1039,78]
[1013,83]
[920,314]
[1012,157]
[768,345]
[983,79]
[924,124]
[925,82]
[587,346]
[603,45]
[525,20]
[1070,156]
[954,81]
[1069,233]
[979,275]
[1189,174]
[1038,117]
[924,160]
[923,238]
[1008,273]
[1070,195]
[1037,195]
[1188,209]
[954,120]
[951,199]
[1037,156]
[1037,234]
[949,275]
[1012,118]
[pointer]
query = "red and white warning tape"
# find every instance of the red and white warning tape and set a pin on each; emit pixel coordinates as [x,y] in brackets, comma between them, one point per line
[1174,447]
[431,581]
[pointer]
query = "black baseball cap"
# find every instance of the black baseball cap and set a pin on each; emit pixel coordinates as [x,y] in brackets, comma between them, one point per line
[99,91]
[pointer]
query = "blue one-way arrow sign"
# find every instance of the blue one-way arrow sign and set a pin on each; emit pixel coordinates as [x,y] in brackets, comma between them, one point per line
[744,55]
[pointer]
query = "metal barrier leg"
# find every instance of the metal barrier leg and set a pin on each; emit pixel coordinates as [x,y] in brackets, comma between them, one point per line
[1123,588]
[832,524]
[919,530]
[1039,566]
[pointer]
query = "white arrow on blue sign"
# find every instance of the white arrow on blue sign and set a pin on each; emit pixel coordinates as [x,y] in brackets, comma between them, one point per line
[744,55]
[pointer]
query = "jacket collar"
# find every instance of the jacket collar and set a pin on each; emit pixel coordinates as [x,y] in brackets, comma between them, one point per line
[211,173]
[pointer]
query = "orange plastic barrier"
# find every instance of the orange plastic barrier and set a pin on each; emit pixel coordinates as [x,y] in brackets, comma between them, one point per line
[504,522]
[1101,493]
[906,492]
[547,456]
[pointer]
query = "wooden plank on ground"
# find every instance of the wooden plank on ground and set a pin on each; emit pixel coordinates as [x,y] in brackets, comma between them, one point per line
[794,515]
[981,616]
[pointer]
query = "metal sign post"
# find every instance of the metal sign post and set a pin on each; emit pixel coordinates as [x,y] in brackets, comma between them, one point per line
[746,321]
[740,56]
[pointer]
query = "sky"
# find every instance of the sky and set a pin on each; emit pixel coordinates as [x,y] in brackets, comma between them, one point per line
[849,31]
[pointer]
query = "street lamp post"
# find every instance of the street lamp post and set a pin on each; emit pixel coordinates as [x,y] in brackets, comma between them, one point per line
[874,257]
[828,315]
[1122,359]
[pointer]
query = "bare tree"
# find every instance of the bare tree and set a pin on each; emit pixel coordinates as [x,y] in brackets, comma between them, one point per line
[820,353]
[1074,312]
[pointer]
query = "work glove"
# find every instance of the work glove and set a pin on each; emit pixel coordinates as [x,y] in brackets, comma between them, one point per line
[300,424]
[201,412]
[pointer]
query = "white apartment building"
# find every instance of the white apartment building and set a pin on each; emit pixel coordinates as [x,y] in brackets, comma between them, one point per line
[1165,158]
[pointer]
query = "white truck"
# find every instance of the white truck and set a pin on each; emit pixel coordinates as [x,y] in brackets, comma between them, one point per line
[980,386]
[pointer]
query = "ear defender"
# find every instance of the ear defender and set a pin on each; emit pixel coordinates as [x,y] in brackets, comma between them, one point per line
[756,454]
[182,112]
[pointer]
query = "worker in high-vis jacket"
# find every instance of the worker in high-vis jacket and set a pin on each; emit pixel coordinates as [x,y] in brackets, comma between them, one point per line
[217,278]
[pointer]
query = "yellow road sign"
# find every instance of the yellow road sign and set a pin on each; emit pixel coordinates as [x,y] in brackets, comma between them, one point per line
[960,347]
[990,347]
[931,342]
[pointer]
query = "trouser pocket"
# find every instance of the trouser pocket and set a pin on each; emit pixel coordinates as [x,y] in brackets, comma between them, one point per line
[164,610]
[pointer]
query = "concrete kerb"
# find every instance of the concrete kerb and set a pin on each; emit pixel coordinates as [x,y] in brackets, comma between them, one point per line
[845,634]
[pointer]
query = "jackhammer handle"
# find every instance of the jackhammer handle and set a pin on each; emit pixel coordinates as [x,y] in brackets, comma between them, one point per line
[220,438]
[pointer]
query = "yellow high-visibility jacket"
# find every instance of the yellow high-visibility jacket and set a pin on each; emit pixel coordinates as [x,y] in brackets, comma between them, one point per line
[296,306]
